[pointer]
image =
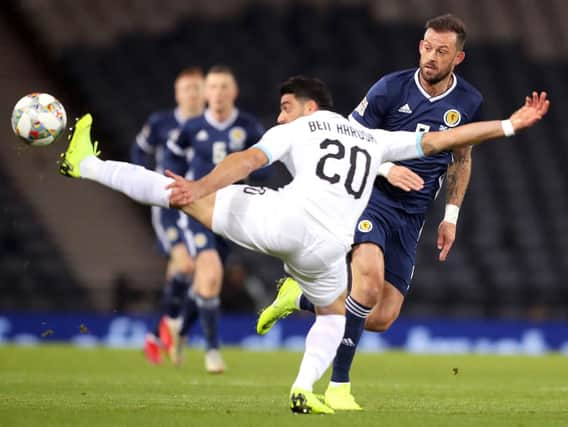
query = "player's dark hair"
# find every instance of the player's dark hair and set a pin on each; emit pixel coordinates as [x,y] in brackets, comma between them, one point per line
[221,69]
[308,88]
[190,72]
[449,23]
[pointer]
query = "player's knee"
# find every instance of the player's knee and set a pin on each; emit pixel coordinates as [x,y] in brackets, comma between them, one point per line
[209,292]
[180,261]
[367,285]
[208,284]
[181,266]
[364,268]
[367,267]
[368,294]
[186,267]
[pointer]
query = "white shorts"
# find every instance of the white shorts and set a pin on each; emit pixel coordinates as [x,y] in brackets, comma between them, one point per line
[262,220]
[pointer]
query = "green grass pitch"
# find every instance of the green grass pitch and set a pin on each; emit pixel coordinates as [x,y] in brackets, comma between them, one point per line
[59,385]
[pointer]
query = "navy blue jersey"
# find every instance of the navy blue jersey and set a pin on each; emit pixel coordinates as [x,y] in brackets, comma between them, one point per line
[149,151]
[150,145]
[207,142]
[398,102]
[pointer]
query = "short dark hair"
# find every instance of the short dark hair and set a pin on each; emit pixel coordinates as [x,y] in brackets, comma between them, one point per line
[190,72]
[449,23]
[308,88]
[221,69]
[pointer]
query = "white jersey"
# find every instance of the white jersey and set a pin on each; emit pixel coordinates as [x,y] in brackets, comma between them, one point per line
[334,162]
[309,224]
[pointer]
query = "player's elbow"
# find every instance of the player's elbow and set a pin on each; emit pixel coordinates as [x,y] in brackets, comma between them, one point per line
[254,159]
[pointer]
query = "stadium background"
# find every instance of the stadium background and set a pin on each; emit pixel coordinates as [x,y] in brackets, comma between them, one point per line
[74,247]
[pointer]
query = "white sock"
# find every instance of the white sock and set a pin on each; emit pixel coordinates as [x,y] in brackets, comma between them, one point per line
[321,344]
[136,182]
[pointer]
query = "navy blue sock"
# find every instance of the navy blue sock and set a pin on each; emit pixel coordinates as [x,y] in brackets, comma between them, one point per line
[354,325]
[190,313]
[208,309]
[174,295]
[306,304]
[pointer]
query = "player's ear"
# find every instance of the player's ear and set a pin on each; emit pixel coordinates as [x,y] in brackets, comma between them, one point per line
[459,57]
[311,106]
[420,46]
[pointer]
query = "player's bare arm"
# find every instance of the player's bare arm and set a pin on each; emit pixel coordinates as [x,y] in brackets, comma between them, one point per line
[457,181]
[534,109]
[458,175]
[233,168]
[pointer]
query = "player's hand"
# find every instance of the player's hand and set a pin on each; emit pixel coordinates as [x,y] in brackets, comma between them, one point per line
[534,109]
[183,191]
[446,237]
[404,178]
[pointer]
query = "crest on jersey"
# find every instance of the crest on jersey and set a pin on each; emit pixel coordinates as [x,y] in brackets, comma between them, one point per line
[237,137]
[172,234]
[365,226]
[452,118]
[200,240]
[202,135]
[362,106]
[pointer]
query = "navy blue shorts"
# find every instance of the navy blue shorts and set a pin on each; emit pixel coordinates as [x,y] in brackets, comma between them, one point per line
[201,239]
[396,233]
[170,229]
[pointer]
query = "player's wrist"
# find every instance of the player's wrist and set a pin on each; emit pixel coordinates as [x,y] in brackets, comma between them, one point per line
[451,214]
[385,168]
[508,128]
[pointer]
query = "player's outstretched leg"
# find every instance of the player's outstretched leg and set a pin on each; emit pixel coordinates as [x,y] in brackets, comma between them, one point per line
[142,185]
[285,303]
[306,402]
[80,147]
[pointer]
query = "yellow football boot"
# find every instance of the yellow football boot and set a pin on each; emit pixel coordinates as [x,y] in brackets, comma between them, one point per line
[339,397]
[80,147]
[285,304]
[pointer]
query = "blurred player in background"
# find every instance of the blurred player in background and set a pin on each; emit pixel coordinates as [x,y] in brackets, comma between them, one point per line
[308,224]
[170,227]
[206,140]
[429,98]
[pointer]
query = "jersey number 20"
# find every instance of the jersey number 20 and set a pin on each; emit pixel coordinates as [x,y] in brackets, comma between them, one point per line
[358,158]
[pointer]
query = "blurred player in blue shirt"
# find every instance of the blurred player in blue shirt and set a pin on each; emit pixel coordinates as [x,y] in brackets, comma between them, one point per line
[170,227]
[206,140]
[430,97]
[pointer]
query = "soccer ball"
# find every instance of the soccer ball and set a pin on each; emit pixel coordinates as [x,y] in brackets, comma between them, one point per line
[38,119]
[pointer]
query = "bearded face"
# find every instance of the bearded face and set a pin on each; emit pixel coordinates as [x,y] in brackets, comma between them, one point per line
[439,55]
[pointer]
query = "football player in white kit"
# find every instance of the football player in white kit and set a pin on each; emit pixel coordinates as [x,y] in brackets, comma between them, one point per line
[309,223]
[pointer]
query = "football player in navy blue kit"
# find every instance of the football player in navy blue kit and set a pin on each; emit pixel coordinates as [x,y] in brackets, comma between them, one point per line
[207,139]
[430,97]
[170,227]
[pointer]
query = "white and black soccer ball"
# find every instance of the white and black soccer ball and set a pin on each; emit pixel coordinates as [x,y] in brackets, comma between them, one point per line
[38,119]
